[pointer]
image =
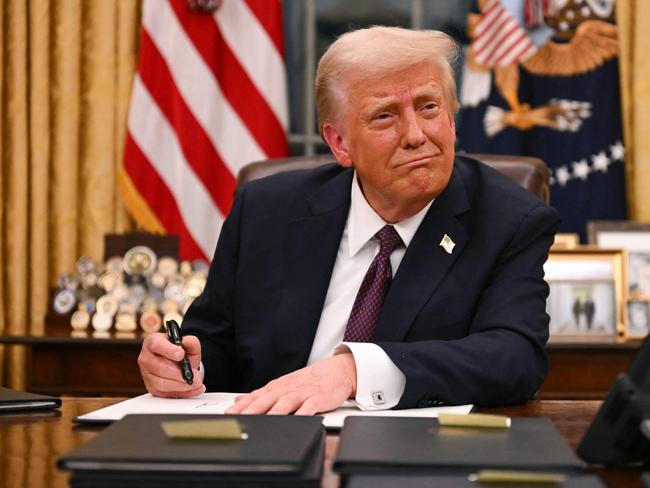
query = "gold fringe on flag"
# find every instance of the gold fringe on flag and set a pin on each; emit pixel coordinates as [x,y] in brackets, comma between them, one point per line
[138,207]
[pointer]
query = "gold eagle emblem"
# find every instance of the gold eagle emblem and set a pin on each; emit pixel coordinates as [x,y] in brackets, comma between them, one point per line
[583,40]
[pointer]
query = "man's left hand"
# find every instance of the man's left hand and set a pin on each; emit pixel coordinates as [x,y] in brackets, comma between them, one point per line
[321,387]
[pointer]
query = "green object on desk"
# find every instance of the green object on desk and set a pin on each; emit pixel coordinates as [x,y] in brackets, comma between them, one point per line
[529,477]
[226,429]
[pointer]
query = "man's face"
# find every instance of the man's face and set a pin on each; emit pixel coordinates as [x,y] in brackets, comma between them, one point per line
[398,132]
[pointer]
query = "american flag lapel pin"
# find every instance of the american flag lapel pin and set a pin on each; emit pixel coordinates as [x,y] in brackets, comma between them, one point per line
[447,244]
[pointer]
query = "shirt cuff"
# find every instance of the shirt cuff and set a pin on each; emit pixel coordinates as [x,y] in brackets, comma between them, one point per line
[380,384]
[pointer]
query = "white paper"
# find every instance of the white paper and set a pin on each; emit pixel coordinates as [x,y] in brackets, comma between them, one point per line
[217,403]
[335,418]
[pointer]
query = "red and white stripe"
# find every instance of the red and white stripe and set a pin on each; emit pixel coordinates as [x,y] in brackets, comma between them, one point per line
[209,97]
[498,39]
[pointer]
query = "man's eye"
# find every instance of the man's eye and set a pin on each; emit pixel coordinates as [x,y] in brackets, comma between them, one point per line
[382,116]
[429,106]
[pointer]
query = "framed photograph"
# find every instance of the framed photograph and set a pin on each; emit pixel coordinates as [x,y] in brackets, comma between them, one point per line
[638,318]
[633,237]
[587,293]
[565,240]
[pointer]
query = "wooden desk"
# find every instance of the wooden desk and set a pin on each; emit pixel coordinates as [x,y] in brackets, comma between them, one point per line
[62,364]
[31,443]
[585,370]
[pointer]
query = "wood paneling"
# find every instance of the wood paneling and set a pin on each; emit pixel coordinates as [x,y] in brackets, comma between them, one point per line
[87,365]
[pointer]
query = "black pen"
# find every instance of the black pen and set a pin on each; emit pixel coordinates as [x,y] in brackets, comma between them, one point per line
[174,334]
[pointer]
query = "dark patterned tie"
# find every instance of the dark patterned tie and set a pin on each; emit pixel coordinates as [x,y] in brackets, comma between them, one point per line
[362,323]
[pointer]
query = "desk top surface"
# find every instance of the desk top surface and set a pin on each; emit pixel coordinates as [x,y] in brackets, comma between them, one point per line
[31,443]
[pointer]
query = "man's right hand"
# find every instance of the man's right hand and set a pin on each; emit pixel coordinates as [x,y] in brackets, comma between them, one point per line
[158,361]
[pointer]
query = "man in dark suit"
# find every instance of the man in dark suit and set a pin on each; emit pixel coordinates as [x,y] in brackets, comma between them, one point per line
[405,276]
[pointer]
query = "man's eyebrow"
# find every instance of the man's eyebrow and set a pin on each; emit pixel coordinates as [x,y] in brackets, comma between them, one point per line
[378,104]
[427,92]
[383,102]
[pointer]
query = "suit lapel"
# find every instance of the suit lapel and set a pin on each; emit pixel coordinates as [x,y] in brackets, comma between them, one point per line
[310,252]
[425,262]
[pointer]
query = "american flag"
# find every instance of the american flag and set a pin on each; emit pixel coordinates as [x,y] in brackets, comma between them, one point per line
[209,96]
[569,88]
[498,39]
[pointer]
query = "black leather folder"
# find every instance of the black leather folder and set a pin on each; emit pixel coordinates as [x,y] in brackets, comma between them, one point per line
[458,481]
[279,451]
[19,401]
[420,445]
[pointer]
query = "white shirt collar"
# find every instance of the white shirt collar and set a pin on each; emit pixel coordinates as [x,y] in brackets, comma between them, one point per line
[363,222]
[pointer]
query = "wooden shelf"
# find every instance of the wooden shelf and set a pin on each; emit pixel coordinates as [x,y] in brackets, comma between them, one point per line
[87,364]
[61,364]
[585,370]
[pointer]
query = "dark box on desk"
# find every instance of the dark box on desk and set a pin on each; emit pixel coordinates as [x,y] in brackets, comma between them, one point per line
[282,451]
[21,401]
[458,481]
[420,445]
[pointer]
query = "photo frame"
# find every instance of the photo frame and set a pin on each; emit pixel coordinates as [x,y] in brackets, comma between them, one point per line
[587,294]
[638,318]
[565,240]
[634,237]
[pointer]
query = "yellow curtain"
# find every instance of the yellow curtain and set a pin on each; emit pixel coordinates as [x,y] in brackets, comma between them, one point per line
[66,73]
[632,18]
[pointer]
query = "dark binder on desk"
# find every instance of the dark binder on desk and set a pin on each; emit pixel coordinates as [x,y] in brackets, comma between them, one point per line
[279,451]
[458,481]
[19,401]
[419,445]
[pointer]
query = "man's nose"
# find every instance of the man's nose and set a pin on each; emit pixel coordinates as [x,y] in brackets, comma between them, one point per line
[412,134]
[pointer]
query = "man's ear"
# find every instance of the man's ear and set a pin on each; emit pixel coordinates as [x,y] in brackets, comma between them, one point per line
[337,144]
[453,127]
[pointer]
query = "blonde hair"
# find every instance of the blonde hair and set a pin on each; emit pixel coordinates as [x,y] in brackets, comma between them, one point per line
[376,51]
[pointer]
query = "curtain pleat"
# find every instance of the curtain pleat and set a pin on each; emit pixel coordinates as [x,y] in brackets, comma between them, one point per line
[16,184]
[632,17]
[3,179]
[66,69]
[127,42]
[66,101]
[39,128]
[98,150]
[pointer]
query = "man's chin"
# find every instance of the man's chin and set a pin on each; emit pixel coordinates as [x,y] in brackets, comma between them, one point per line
[423,184]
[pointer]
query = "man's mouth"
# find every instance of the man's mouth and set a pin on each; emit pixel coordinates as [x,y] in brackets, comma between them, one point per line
[417,161]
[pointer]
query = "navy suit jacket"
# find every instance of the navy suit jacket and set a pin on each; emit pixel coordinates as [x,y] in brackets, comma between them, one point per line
[465,327]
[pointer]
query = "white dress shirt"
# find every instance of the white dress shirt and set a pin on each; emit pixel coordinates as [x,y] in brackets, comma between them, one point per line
[380,384]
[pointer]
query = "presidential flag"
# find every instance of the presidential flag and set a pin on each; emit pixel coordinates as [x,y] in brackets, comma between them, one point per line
[541,79]
[209,96]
